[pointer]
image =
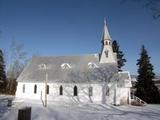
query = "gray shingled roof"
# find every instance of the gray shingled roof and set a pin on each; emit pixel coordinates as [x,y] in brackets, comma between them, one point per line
[77,73]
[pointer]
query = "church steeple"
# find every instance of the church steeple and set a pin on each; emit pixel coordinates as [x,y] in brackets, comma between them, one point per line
[107,55]
[106,35]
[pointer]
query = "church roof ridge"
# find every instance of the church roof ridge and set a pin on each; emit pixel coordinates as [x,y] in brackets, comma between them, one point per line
[55,56]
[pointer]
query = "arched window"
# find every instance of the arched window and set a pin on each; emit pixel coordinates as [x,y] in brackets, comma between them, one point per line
[23,88]
[47,89]
[90,90]
[61,90]
[75,91]
[35,89]
[106,42]
[107,91]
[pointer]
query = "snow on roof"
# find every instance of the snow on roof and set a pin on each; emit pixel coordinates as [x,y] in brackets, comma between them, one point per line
[79,65]
[125,79]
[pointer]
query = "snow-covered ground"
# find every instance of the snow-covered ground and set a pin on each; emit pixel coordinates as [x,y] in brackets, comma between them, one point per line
[61,111]
[3,104]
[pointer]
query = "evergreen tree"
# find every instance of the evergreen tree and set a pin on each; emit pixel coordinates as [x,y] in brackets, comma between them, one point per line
[2,73]
[145,87]
[120,56]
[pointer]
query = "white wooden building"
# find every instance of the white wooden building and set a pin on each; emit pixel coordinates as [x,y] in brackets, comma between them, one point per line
[79,79]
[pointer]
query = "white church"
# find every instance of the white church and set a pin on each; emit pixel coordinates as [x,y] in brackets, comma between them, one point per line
[90,78]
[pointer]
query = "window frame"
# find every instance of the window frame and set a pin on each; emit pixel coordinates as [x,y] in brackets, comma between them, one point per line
[75,91]
[61,90]
[107,91]
[35,89]
[47,92]
[90,91]
[23,88]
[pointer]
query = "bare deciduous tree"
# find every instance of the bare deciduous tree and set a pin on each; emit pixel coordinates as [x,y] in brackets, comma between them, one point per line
[104,74]
[152,5]
[17,61]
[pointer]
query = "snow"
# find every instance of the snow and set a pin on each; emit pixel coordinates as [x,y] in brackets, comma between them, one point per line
[3,104]
[62,111]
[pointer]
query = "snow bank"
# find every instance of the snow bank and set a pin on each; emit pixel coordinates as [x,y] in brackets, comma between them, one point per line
[60,111]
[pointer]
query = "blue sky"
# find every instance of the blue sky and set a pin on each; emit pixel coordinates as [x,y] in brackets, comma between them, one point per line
[71,27]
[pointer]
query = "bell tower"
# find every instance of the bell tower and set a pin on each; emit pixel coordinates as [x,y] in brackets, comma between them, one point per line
[107,55]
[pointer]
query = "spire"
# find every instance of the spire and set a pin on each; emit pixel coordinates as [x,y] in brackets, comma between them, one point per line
[107,55]
[106,35]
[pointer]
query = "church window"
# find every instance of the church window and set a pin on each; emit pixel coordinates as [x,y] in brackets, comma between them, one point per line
[92,65]
[23,88]
[107,92]
[106,42]
[65,66]
[42,66]
[61,90]
[47,89]
[90,91]
[106,53]
[75,91]
[35,89]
